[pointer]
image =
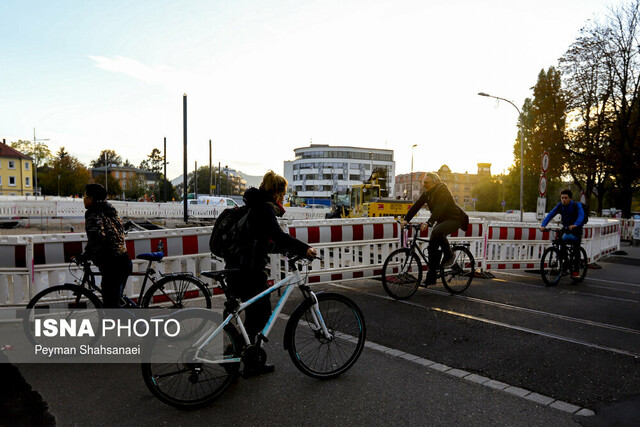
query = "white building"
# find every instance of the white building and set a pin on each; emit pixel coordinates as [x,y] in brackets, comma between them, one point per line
[319,170]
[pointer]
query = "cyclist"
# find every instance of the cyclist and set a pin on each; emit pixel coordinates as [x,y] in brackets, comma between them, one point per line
[445,215]
[105,244]
[266,236]
[572,220]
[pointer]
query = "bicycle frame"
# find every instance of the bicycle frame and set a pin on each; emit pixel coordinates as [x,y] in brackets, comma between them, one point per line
[288,283]
[89,278]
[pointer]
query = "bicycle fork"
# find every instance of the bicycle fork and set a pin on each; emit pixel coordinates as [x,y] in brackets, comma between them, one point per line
[318,320]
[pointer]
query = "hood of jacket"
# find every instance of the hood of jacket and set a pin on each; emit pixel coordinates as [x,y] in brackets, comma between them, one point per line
[256,197]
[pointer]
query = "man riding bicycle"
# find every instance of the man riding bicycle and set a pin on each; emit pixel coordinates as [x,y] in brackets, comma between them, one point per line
[572,220]
[445,214]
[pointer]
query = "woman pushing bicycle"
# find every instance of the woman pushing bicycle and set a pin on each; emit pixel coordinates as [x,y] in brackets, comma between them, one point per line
[447,217]
[264,236]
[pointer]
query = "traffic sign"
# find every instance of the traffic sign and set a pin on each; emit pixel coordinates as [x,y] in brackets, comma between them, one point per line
[542,186]
[542,205]
[545,161]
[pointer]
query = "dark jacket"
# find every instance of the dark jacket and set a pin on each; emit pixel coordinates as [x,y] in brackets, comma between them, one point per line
[105,233]
[440,203]
[266,236]
[572,214]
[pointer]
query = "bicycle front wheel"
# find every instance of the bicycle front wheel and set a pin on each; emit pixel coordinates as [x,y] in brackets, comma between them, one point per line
[179,291]
[63,302]
[318,355]
[457,278]
[583,265]
[183,372]
[551,266]
[401,273]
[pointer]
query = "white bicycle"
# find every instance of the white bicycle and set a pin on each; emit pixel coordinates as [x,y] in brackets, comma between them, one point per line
[324,336]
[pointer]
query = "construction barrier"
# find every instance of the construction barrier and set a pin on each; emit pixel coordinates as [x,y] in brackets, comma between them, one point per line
[349,248]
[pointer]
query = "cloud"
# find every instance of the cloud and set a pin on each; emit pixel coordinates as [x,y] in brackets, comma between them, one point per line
[157,74]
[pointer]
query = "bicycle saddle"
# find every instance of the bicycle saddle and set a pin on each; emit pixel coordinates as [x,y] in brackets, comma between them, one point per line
[152,256]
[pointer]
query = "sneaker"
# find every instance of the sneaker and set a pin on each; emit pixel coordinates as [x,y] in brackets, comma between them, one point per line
[449,260]
[252,372]
[575,274]
[429,281]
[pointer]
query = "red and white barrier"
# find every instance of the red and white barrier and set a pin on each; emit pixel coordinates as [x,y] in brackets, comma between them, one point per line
[349,248]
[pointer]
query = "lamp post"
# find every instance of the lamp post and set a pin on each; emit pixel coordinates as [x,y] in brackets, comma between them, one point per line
[58,185]
[521,151]
[411,175]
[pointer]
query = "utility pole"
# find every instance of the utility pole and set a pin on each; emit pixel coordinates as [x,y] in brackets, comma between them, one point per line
[165,169]
[184,153]
[210,172]
[35,166]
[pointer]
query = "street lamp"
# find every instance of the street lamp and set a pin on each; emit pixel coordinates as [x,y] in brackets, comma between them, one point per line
[521,150]
[411,176]
[58,185]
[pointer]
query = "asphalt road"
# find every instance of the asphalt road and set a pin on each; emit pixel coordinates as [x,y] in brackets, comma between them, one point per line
[566,348]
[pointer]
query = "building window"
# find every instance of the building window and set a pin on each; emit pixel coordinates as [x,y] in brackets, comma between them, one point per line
[12,181]
[27,181]
[12,164]
[26,166]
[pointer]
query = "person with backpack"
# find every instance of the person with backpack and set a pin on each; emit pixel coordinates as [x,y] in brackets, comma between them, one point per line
[446,217]
[105,244]
[573,219]
[259,236]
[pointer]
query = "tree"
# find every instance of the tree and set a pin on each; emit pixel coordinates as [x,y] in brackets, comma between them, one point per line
[40,153]
[622,60]
[64,175]
[489,192]
[158,191]
[154,161]
[111,159]
[543,125]
[113,186]
[588,92]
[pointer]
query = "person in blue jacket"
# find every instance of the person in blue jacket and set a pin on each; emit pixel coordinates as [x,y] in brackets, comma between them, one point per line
[573,220]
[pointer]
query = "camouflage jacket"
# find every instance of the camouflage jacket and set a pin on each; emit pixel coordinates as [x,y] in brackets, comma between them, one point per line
[105,233]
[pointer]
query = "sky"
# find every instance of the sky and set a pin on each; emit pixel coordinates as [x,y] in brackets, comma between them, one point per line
[265,77]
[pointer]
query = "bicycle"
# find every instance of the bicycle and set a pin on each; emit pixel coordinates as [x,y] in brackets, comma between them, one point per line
[324,336]
[402,270]
[173,290]
[557,260]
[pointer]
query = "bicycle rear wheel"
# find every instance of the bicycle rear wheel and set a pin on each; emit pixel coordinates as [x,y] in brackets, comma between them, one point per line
[551,266]
[177,291]
[457,278]
[177,376]
[311,351]
[401,273]
[63,302]
[583,265]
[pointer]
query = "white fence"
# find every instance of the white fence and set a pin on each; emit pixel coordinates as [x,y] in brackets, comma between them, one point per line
[350,249]
[74,209]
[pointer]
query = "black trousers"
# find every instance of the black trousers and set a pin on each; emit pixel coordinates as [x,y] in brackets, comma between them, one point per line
[115,271]
[438,243]
[245,285]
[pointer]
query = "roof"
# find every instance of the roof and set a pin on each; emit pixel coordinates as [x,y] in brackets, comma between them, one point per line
[8,151]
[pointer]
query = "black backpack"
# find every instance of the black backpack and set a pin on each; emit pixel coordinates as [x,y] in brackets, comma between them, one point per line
[585,208]
[230,232]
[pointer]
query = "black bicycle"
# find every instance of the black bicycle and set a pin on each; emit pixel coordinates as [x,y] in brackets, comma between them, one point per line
[402,270]
[557,260]
[173,290]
